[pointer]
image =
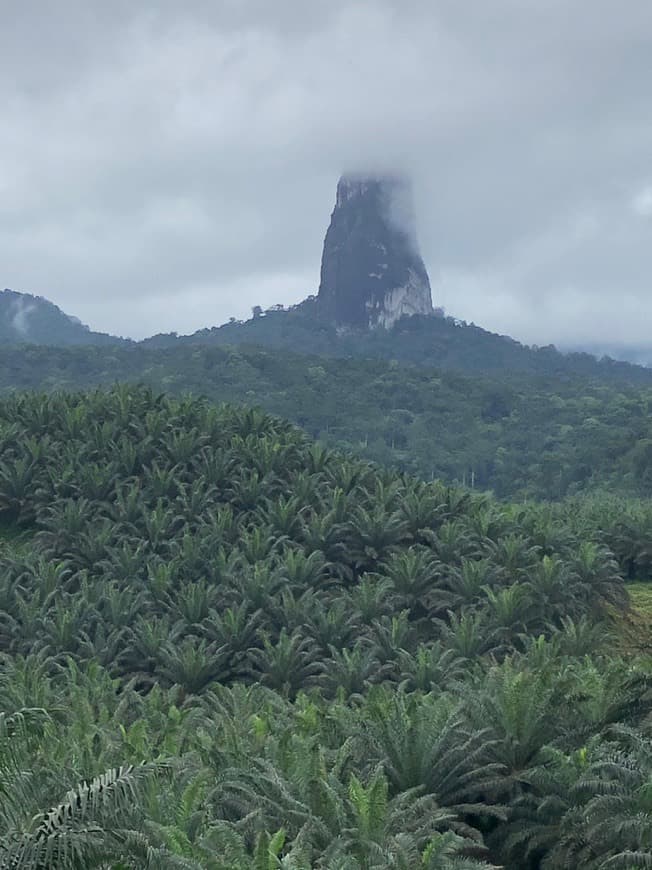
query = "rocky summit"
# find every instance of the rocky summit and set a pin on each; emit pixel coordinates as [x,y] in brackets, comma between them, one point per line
[372,273]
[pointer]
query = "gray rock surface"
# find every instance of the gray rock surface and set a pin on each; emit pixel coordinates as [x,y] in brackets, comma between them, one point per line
[371,272]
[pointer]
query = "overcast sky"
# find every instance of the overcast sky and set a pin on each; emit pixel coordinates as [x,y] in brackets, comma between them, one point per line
[164,166]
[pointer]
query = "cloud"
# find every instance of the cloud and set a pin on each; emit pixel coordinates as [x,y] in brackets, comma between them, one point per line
[165,166]
[642,202]
[19,321]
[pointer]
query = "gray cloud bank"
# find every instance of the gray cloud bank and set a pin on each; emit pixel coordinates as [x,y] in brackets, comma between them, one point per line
[166,166]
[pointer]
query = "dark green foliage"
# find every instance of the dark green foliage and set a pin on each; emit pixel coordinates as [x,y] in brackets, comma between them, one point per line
[440,342]
[560,431]
[254,652]
[25,318]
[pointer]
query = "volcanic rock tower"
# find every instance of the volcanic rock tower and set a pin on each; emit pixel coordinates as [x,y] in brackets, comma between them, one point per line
[371,270]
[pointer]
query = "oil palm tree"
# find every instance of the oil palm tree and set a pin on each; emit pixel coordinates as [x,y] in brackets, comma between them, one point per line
[618,814]
[372,535]
[519,708]
[286,664]
[193,663]
[98,821]
[431,666]
[424,743]
[348,673]
[415,575]
[381,831]
[15,486]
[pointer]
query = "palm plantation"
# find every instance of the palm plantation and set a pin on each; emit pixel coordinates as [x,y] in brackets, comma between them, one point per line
[225,647]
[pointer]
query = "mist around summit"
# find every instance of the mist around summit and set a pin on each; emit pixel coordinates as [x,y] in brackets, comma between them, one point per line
[168,167]
[372,273]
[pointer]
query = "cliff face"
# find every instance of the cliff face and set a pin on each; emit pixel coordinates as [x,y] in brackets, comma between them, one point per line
[371,272]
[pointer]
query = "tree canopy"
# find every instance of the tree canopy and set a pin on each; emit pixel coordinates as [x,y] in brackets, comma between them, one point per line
[226,646]
[521,436]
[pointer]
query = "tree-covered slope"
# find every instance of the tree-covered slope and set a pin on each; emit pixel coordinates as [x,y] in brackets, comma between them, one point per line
[522,437]
[433,342]
[28,319]
[224,646]
[437,342]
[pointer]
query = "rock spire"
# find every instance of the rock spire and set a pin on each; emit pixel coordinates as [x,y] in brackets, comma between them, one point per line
[371,272]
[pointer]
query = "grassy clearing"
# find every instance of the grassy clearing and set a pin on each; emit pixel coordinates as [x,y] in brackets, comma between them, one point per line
[641,595]
[636,625]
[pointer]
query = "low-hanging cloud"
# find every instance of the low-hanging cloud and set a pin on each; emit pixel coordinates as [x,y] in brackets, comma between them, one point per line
[20,313]
[165,166]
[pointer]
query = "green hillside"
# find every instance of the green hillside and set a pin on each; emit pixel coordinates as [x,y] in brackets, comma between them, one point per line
[521,436]
[434,342]
[29,319]
[224,646]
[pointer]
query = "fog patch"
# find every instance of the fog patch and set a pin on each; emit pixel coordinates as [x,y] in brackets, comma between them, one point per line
[19,320]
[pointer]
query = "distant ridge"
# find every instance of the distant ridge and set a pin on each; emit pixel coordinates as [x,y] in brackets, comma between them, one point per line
[430,341]
[374,302]
[29,319]
[435,342]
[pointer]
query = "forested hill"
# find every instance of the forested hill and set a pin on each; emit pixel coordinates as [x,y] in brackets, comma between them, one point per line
[224,647]
[28,319]
[522,437]
[434,342]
